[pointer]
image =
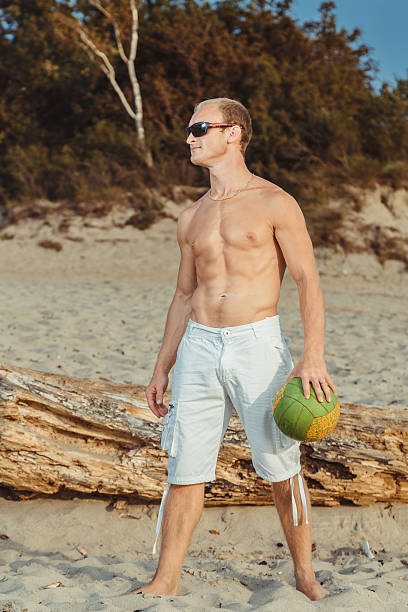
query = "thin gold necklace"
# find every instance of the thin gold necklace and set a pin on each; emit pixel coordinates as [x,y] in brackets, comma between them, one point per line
[233,195]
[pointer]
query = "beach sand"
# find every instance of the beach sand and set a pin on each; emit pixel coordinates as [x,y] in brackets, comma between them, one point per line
[237,560]
[97,308]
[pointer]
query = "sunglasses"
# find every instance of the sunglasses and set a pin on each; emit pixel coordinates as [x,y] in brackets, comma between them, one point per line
[201,128]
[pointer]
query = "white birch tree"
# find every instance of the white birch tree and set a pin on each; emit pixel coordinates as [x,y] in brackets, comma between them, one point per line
[96,49]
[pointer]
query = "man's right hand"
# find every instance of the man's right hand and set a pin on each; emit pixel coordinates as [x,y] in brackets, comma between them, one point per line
[155,392]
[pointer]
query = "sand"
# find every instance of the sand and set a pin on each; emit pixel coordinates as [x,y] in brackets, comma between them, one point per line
[233,569]
[97,309]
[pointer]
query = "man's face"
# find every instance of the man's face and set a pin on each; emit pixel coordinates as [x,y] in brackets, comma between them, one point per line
[206,150]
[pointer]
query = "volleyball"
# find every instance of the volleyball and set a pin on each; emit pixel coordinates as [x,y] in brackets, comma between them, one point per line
[304,419]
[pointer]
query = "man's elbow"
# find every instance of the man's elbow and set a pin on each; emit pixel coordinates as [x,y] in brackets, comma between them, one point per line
[307,280]
[184,294]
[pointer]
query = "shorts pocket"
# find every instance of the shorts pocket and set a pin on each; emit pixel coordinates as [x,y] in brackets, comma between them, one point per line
[286,356]
[281,347]
[181,346]
[169,433]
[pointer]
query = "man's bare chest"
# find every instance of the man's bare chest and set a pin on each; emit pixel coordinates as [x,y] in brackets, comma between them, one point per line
[217,228]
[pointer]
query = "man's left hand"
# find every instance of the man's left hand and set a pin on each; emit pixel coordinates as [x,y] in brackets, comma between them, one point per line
[312,369]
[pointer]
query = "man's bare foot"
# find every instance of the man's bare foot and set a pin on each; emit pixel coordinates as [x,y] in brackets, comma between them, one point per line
[312,589]
[155,587]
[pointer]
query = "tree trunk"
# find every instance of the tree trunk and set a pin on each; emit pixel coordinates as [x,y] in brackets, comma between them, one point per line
[61,434]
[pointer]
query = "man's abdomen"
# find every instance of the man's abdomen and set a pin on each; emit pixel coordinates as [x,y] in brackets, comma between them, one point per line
[234,304]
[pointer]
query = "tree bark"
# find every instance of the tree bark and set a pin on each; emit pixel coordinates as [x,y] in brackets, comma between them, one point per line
[61,434]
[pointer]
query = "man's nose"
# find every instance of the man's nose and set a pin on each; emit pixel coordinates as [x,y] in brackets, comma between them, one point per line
[190,138]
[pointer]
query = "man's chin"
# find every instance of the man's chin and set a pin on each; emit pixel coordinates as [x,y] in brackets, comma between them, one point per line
[197,160]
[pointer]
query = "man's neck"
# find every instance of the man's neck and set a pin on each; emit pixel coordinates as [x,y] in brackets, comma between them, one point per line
[227,177]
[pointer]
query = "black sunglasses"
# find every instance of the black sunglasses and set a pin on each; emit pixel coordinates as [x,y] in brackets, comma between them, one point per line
[201,128]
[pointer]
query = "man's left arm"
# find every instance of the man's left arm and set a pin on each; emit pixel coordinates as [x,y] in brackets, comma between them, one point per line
[296,245]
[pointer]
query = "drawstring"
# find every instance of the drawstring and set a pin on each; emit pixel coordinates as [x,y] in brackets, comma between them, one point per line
[294,507]
[302,497]
[160,517]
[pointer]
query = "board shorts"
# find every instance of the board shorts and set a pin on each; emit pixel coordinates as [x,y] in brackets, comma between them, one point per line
[241,366]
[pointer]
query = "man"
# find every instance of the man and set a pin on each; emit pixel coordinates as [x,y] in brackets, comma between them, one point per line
[223,326]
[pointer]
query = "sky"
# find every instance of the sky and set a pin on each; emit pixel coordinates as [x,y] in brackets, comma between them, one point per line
[383,25]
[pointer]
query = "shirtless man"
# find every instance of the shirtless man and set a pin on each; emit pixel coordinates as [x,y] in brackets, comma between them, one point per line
[223,327]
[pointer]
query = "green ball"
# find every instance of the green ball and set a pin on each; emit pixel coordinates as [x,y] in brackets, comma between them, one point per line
[304,419]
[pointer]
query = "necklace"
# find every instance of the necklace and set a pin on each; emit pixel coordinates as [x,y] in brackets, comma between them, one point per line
[233,195]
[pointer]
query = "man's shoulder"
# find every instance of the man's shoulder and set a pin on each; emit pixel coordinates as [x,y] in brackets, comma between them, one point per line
[186,216]
[274,197]
[271,192]
[189,210]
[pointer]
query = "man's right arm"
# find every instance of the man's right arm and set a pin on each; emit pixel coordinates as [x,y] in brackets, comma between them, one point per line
[177,318]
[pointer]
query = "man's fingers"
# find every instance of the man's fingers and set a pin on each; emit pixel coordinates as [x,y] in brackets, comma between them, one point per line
[331,384]
[151,401]
[306,387]
[317,377]
[326,390]
[153,408]
[159,403]
[318,389]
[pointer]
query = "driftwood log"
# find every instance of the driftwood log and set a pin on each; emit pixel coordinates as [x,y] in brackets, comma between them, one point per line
[61,434]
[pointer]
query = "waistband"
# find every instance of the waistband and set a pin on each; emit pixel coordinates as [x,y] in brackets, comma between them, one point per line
[267,326]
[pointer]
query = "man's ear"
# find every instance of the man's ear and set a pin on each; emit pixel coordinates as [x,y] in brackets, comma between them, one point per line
[235,134]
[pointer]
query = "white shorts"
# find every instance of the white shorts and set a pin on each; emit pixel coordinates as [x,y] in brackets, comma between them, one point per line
[218,368]
[242,366]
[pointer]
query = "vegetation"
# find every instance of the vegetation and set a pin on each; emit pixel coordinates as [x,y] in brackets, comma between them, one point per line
[319,124]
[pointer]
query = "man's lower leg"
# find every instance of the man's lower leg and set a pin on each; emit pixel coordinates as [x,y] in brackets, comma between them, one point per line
[182,512]
[299,538]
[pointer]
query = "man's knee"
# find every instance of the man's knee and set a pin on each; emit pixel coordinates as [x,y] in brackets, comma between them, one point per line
[282,487]
[282,490]
[188,496]
[191,494]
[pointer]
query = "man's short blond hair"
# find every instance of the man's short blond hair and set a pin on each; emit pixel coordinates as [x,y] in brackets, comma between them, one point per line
[233,112]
